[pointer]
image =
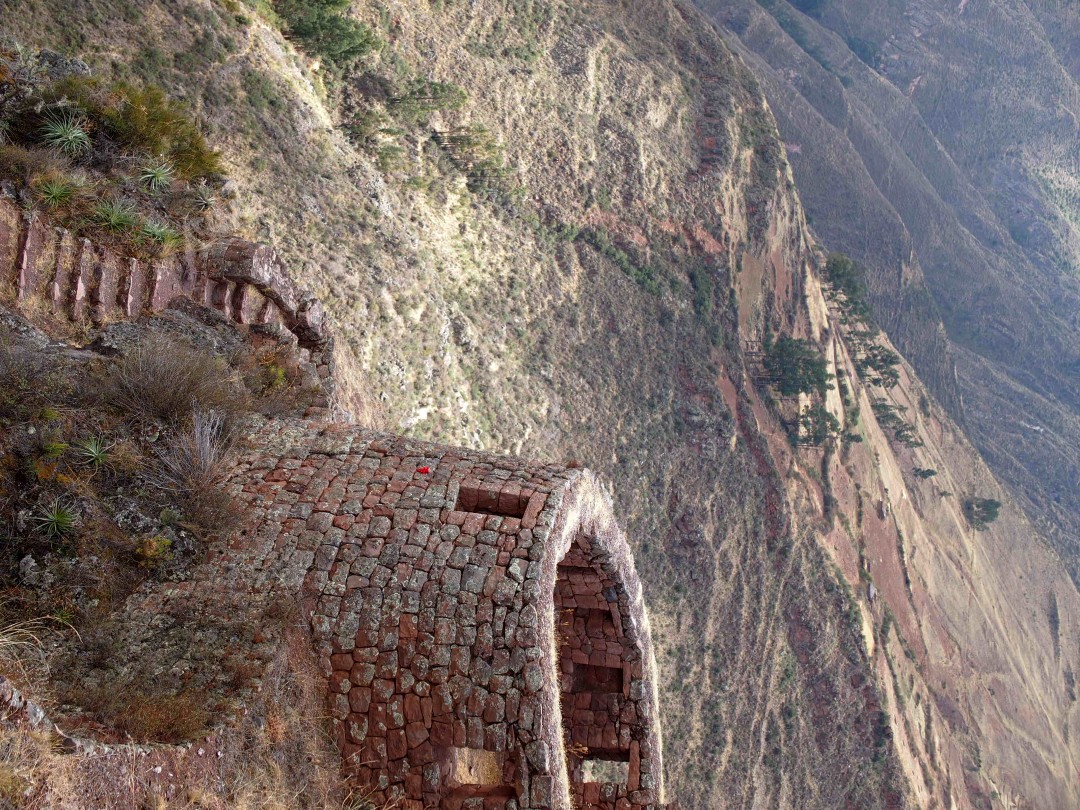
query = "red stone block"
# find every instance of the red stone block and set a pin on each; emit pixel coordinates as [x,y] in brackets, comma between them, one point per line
[510,499]
[468,493]
[396,743]
[416,733]
[360,699]
[474,522]
[412,708]
[341,661]
[532,511]
[377,717]
[442,734]
[351,754]
[422,754]
[373,752]
[633,780]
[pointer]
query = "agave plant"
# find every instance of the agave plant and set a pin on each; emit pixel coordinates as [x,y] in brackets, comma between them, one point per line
[161,233]
[55,519]
[204,197]
[116,215]
[157,178]
[54,193]
[93,451]
[66,132]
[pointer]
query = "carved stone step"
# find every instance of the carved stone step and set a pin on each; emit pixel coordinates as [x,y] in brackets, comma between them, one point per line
[59,288]
[83,280]
[106,274]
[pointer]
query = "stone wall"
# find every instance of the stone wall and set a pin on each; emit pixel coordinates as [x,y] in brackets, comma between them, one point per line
[478,618]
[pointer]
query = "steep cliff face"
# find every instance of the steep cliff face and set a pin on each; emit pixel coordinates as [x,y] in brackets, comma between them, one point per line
[592,304]
[938,144]
[967,626]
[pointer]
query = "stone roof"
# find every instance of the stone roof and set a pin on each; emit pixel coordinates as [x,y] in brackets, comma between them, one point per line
[478,618]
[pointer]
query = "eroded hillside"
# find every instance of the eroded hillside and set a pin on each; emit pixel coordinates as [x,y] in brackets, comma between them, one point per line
[938,145]
[587,296]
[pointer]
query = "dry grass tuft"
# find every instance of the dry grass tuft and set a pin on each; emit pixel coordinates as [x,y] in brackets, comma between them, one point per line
[146,716]
[193,469]
[21,655]
[169,378]
[196,459]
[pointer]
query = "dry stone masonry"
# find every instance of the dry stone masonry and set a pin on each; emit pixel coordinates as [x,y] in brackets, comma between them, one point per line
[82,281]
[478,618]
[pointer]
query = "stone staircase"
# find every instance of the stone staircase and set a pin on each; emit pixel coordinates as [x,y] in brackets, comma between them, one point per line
[87,283]
[47,269]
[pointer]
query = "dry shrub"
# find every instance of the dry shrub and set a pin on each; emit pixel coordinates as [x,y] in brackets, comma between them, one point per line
[24,761]
[21,657]
[193,468]
[22,379]
[25,163]
[146,716]
[168,378]
[286,760]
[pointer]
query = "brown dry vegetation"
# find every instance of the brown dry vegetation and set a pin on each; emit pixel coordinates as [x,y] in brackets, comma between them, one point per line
[280,759]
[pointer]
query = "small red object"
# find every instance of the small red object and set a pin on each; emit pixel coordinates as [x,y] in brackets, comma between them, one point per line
[423,470]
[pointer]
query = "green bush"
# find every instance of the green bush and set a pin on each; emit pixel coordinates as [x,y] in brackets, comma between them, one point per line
[848,277]
[981,512]
[321,29]
[879,365]
[817,425]
[422,96]
[795,366]
[645,276]
[137,118]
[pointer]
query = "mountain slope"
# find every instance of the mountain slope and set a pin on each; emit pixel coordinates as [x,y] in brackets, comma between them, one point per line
[595,303]
[939,146]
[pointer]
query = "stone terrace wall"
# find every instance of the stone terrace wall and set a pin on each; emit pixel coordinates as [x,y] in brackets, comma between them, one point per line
[85,283]
[430,576]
